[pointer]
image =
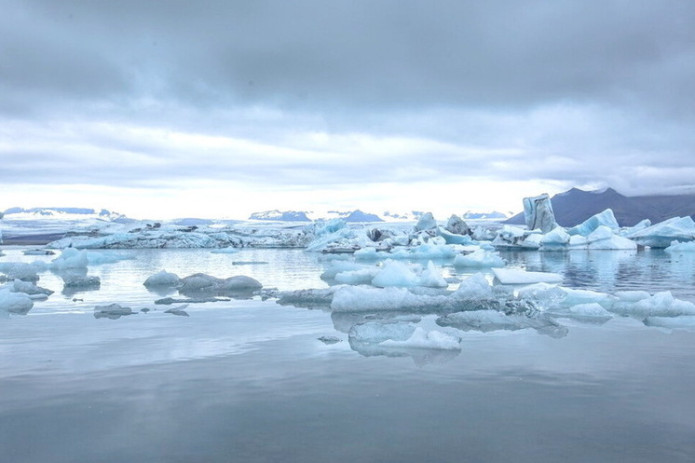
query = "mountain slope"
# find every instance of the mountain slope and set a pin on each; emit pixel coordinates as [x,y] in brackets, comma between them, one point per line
[575,206]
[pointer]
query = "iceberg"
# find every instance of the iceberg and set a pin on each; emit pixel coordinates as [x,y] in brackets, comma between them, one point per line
[493,320]
[162,279]
[22,270]
[538,213]
[112,311]
[676,247]
[456,226]
[602,219]
[201,283]
[396,273]
[661,304]
[15,302]
[555,240]
[509,276]
[588,312]
[604,238]
[479,258]
[664,233]
[682,322]
[426,223]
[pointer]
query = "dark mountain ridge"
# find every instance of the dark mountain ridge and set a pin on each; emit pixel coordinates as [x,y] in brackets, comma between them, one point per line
[575,206]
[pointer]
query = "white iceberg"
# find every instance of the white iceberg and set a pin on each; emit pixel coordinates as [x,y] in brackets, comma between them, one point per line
[604,238]
[509,276]
[554,240]
[602,219]
[676,247]
[479,258]
[14,303]
[664,233]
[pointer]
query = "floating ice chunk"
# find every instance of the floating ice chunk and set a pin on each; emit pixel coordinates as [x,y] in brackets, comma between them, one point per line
[603,238]
[368,254]
[178,311]
[677,247]
[664,233]
[335,267]
[660,304]
[200,282]
[70,258]
[29,288]
[556,239]
[112,311]
[426,223]
[627,231]
[591,311]
[308,297]
[474,287]
[684,321]
[362,276]
[162,279]
[551,297]
[76,281]
[421,339]
[240,282]
[483,320]
[22,270]
[431,277]
[494,320]
[38,252]
[396,273]
[584,296]
[508,276]
[479,258]
[429,251]
[454,238]
[15,303]
[632,296]
[225,251]
[517,237]
[578,242]
[605,219]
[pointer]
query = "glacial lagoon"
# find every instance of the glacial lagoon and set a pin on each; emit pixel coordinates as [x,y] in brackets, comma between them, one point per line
[247,379]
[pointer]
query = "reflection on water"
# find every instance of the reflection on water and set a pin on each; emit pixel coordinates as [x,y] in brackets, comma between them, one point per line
[251,381]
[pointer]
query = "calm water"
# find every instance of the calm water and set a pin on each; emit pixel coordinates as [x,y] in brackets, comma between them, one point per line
[248,381]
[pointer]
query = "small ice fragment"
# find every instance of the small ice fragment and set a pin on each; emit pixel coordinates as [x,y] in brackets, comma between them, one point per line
[508,276]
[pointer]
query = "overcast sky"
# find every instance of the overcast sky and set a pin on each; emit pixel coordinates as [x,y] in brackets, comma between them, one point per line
[221,108]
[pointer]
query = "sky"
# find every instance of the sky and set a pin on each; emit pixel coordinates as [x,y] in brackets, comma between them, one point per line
[222,108]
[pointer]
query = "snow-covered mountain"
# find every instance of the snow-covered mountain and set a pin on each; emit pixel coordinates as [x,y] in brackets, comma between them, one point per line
[65,213]
[284,216]
[494,215]
[308,216]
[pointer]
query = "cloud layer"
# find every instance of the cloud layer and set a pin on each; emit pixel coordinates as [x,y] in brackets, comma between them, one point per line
[345,97]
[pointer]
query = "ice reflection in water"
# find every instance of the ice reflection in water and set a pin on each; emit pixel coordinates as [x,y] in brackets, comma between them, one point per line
[248,380]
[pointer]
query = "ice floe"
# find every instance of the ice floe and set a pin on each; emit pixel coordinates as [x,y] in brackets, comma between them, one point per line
[511,276]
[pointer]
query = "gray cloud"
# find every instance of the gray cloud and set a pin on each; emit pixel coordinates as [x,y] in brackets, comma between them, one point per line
[566,91]
[332,55]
